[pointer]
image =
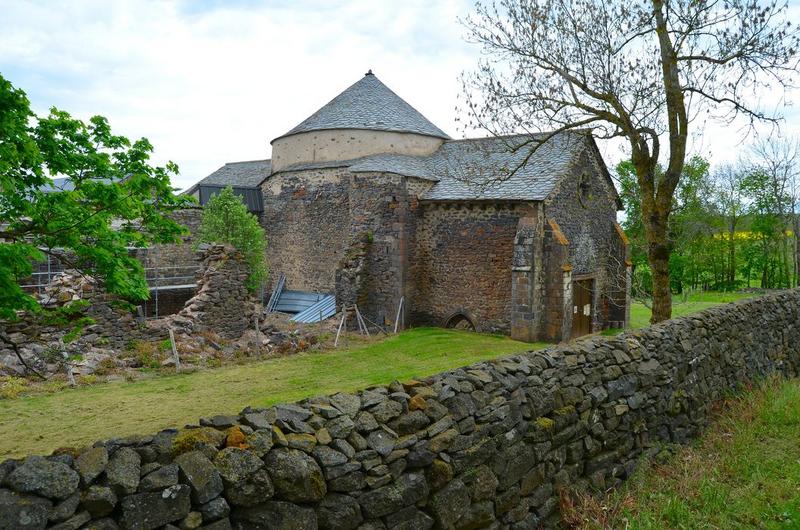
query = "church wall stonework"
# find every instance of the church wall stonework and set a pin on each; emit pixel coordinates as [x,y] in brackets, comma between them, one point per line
[491,445]
[324,224]
[585,211]
[307,219]
[367,238]
[463,262]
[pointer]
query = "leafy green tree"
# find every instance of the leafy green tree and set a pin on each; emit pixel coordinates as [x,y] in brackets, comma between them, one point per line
[689,230]
[729,196]
[226,220]
[767,223]
[115,200]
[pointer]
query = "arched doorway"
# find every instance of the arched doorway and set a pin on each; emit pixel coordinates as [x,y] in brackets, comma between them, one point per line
[460,320]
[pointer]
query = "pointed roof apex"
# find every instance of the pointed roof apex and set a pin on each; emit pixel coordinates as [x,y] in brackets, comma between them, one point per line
[369,72]
[368,104]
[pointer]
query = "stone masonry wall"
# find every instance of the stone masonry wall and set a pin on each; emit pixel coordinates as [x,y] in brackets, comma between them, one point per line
[313,218]
[585,211]
[222,304]
[384,210]
[464,259]
[485,446]
[174,259]
[307,219]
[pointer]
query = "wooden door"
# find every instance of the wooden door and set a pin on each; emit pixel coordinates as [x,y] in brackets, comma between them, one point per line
[582,307]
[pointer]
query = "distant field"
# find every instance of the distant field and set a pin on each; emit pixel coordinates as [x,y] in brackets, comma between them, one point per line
[640,315]
[39,423]
[743,473]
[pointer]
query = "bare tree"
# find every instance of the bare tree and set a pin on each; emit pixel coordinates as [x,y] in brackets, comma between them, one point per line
[779,159]
[730,198]
[641,70]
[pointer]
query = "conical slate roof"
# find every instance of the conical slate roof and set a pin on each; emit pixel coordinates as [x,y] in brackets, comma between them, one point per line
[371,105]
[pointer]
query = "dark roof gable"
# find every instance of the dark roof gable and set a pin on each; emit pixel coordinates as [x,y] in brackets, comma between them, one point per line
[248,174]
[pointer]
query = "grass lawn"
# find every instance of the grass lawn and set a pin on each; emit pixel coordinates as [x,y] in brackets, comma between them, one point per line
[640,315]
[743,473]
[39,423]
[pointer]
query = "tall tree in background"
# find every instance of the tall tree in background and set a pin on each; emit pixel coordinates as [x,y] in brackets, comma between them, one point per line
[778,159]
[634,69]
[730,199]
[690,225]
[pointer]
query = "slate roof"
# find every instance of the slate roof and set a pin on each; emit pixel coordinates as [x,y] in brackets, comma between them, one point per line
[371,105]
[59,184]
[486,168]
[247,174]
[496,168]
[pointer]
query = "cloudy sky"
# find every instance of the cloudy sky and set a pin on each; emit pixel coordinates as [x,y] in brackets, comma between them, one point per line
[214,81]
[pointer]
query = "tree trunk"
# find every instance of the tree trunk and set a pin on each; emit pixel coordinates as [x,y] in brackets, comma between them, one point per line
[731,256]
[796,250]
[658,258]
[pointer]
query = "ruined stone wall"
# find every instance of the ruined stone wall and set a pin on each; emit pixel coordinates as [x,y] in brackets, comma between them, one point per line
[222,303]
[584,208]
[333,231]
[463,262]
[386,211]
[41,342]
[485,446]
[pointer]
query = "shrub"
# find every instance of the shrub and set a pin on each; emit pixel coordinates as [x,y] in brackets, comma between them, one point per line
[106,366]
[11,387]
[226,220]
[88,380]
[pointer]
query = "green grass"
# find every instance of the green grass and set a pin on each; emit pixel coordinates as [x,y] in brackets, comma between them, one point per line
[743,473]
[640,315]
[39,423]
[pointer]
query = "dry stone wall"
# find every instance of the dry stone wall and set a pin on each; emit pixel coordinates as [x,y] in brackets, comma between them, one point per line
[485,446]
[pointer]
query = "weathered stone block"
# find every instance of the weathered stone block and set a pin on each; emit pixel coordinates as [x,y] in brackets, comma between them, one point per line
[147,511]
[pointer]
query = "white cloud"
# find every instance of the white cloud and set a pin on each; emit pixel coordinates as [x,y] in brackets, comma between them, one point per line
[214,81]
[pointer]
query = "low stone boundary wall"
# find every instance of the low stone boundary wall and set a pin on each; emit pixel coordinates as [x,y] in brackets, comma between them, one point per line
[485,446]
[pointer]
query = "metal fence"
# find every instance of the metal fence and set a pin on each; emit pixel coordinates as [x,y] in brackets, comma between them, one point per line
[160,279]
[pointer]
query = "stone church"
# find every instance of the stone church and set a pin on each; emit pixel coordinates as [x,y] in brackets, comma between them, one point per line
[368,200]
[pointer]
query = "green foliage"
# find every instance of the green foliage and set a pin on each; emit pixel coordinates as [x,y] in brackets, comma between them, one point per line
[226,220]
[688,220]
[725,230]
[70,316]
[112,181]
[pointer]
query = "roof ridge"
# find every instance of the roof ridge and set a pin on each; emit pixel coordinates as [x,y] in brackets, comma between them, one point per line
[514,135]
[249,161]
